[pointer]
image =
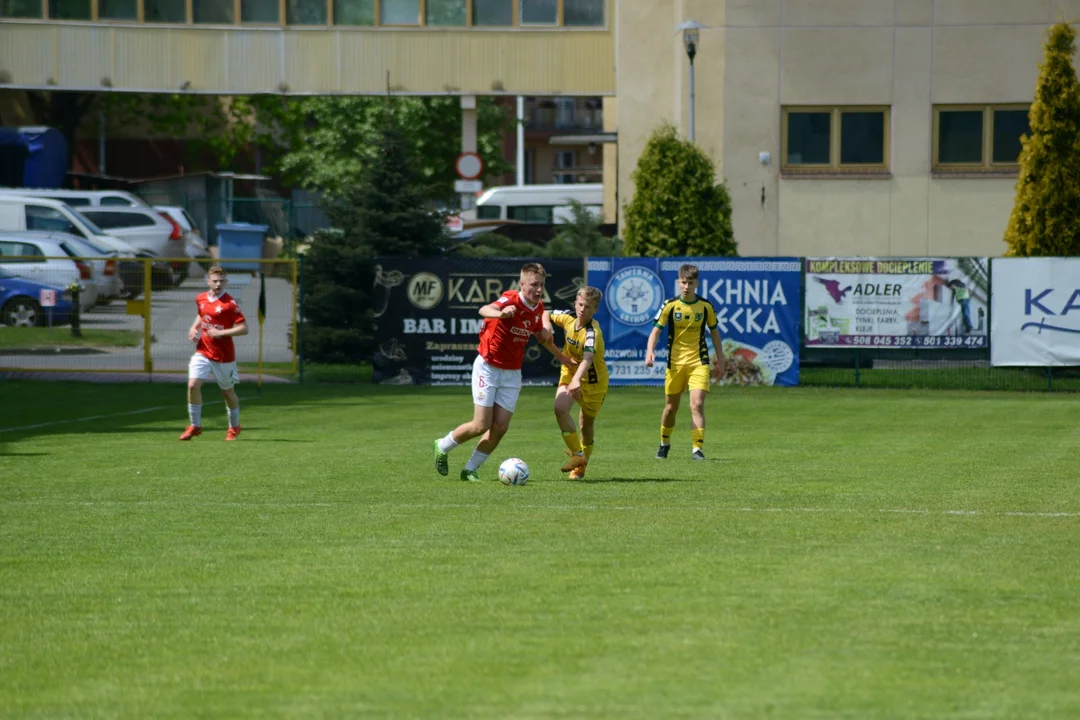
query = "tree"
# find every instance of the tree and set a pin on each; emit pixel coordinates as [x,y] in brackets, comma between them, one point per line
[1045,218]
[581,236]
[678,207]
[387,212]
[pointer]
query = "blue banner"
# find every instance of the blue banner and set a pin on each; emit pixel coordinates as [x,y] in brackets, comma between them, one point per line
[757,301]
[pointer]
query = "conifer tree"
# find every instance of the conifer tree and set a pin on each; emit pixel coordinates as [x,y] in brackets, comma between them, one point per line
[387,213]
[678,207]
[1045,218]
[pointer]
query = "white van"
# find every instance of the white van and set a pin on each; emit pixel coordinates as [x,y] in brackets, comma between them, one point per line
[538,203]
[82,198]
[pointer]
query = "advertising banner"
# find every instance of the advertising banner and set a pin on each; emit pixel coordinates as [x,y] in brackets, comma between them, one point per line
[1036,312]
[427,321]
[896,302]
[757,303]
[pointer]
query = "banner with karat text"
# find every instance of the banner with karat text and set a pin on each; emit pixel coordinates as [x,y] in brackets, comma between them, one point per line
[1035,307]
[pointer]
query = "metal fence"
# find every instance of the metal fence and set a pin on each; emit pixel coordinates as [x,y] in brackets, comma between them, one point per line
[134,316]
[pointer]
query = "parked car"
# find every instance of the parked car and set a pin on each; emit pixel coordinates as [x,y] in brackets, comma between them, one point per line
[194,245]
[162,276]
[104,266]
[145,228]
[47,262]
[20,302]
[83,198]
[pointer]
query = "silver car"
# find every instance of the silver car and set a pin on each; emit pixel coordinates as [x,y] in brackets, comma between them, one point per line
[101,258]
[48,261]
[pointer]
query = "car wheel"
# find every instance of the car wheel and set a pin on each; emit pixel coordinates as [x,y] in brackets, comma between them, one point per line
[21,312]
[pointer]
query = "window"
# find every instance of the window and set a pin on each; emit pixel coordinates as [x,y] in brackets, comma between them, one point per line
[400,12]
[72,201]
[69,9]
[492,12]
[979,137]
[489,212]
[115,202]
[583,13]
[531,213]
[831,138]
[446,13]
[43,218]
[259,11]
[110,220]
[20,8]
[354,12]
[25,252]
[118,9]
[166,11]
[566,159]
[212,11]
[564,112]
[538,12]
[305,12]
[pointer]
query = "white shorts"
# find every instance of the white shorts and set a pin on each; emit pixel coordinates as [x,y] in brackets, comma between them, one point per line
[494,386]
[203,368]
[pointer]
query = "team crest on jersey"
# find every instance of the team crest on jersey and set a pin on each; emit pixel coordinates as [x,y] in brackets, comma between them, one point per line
[697,317]
[678,315]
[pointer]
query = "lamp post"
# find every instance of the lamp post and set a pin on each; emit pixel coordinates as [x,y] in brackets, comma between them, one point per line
[691,32]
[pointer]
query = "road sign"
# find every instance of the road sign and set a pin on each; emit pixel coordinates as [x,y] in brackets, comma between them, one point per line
[47,297]
[469,166]
[468,186]
[454,223]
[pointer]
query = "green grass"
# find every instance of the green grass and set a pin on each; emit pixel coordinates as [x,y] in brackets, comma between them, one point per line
[843,554]
[43,337]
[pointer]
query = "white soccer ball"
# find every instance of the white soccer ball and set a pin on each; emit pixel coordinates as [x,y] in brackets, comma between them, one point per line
[514,472]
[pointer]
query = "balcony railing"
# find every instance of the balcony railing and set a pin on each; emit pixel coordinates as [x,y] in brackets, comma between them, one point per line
[562,116]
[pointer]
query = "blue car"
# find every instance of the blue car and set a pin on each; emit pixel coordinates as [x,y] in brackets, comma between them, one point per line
[20,303]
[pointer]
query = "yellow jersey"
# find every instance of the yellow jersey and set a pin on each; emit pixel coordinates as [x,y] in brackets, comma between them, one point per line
[688,324]
[578,342]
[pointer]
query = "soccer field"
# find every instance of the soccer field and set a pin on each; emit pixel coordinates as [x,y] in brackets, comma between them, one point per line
[842,554]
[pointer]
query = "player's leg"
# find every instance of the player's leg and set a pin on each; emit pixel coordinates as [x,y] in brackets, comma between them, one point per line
[227,377]
[505,389]
[483,405]
[674,384]
[587,422]
[198,371]
[564,401]
[699,390]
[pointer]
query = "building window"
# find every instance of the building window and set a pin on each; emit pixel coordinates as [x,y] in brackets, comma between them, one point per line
[118,9]
[69,9]
[980,137]
[446,13]
[212,11]
[492,12]
[538,12]
[305,12]
[20,8]
[578,13]
[835,138]
[354,12]
[260,11]
[165,11]
[399,12]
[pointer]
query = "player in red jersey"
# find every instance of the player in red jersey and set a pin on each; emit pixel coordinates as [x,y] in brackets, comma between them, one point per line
[218,322]
[509,322]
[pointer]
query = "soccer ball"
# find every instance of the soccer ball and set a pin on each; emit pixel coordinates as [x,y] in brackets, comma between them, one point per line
[514,472]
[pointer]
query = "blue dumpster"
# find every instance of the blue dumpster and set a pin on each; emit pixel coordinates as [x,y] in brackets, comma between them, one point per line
[240,241]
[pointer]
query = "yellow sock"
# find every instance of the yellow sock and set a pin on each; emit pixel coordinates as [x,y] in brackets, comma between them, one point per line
[697,436]
[588,450]
[572,442]
[665,435]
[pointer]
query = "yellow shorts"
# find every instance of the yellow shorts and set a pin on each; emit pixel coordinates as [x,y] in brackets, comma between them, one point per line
[694,377]
[591,400]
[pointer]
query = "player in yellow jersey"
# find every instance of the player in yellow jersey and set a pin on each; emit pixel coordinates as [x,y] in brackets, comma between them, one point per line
[586,384]
[687,319]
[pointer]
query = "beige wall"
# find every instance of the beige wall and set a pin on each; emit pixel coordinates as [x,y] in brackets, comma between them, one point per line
[762,55]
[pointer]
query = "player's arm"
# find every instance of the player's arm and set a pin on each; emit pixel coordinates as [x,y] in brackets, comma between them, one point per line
[575,384]
[498,310]
[714,332]
[193,331]
[548,341]
[236,330]
[650,348]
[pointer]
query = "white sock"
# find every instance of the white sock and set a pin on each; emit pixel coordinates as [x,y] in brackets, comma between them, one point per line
[478,458]
[448,443]
[234,416]
[194,413]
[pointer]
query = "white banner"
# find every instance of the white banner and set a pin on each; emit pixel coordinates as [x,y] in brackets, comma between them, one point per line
[1035,312]
[896,302]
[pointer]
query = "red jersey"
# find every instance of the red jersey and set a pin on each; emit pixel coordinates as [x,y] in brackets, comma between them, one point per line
[502,342]
[221,313]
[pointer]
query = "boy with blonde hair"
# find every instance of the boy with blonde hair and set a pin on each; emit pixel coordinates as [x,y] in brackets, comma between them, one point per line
[509,322]
[587,384]
[687,318]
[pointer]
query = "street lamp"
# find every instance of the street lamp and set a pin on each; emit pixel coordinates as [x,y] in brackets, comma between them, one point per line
[691,31]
